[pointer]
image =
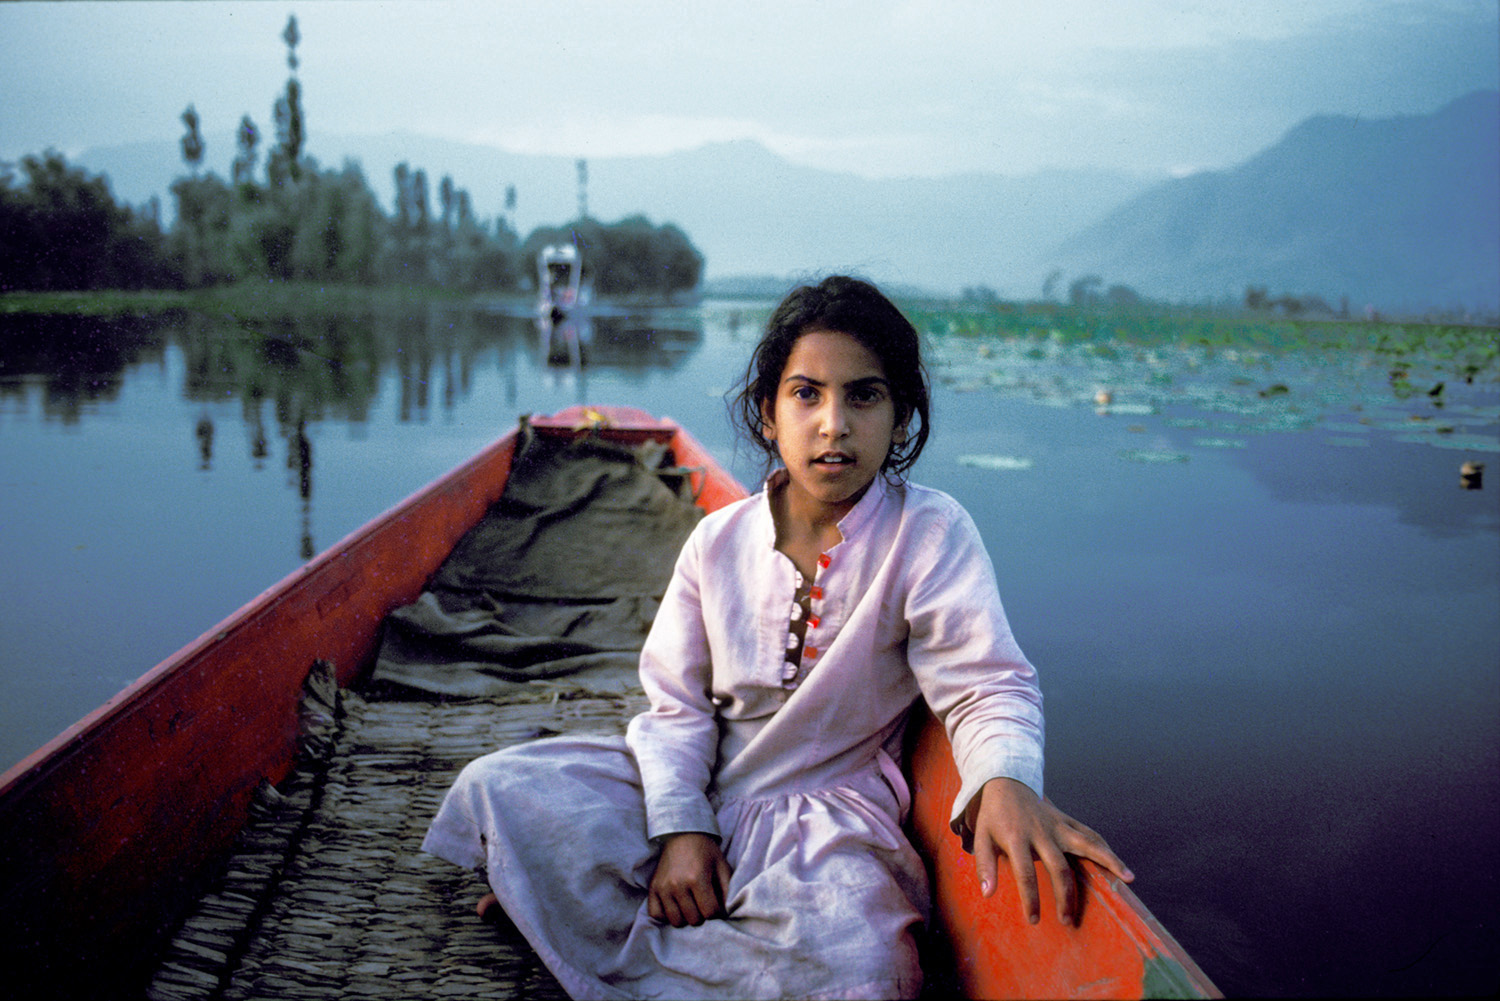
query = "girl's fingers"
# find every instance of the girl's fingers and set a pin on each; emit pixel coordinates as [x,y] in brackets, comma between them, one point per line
[704,905]
[670,913]
[985,865]
[1085,843]
[1027,830]
[1025,872]
[1064,889]
[692,913]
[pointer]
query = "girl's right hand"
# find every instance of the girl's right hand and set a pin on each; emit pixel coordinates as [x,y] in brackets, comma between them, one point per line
[691,881]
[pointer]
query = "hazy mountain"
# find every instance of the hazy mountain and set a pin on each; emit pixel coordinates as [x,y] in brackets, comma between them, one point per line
[1402,213]
[749,211]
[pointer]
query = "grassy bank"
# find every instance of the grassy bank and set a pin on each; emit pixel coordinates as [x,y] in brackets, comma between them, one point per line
[258,298]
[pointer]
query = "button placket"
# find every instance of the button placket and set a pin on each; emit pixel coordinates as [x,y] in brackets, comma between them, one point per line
[802,610]
[814,618]
[791,662]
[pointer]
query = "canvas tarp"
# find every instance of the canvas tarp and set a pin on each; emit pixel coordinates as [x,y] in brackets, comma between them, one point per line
[560,579]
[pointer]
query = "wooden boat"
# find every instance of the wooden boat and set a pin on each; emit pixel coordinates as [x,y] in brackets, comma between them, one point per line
[559,277]
[108,832]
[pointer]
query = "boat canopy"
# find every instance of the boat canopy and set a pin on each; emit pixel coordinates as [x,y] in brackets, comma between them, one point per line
[559,275]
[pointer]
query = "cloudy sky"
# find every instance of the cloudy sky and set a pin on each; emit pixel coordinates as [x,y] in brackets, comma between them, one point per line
[877,87]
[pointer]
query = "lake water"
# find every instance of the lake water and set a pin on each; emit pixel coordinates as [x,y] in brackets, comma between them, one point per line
[1262,606]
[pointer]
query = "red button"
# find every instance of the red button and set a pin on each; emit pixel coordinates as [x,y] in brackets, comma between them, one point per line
[809,652]
[823,560]
[816,594]
[812,622]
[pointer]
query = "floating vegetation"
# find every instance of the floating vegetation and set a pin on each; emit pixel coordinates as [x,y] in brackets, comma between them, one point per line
[1229,376]
[1153,456]
[1343,442]
[1461,442]
[1470,352]
[1219,442]
[997,462]
[1280,424]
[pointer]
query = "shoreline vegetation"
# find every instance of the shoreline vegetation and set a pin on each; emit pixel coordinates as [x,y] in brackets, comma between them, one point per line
[244,298]
[282,223]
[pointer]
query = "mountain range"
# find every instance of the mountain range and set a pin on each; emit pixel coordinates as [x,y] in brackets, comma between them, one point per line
[1400,213]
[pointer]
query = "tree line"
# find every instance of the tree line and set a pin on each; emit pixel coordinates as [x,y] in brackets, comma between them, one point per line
[289,219]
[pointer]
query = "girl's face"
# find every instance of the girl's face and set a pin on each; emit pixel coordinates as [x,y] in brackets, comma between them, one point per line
[833,420]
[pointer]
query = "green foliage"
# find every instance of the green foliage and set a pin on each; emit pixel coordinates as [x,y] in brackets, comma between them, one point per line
[192,140]
[247,138]
[61,229]
[628,257]
[285,166]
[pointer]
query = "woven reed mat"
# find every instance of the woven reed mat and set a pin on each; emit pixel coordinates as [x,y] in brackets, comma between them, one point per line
[328,894]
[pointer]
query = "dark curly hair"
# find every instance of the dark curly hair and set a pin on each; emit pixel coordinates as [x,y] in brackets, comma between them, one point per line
[847,306]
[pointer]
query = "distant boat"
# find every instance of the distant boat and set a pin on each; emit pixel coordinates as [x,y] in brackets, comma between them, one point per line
[560,286]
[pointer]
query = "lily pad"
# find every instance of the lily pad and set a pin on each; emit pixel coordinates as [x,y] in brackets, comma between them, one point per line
[1152,456]
[998,462]
[1459,442]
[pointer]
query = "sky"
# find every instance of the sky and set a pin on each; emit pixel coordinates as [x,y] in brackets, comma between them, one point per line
[880,88]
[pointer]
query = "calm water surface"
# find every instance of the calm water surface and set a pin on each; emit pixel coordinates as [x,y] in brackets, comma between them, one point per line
[1262,607]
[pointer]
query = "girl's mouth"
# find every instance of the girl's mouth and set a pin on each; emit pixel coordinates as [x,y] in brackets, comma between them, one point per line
[834,459]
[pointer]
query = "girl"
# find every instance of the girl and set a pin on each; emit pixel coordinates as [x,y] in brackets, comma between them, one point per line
[744,838]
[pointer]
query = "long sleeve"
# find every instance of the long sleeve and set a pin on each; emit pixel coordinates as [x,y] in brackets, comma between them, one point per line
[967,663]
[675,743]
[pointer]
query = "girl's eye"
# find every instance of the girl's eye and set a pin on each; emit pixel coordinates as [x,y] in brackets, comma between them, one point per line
[862,397]
[804,393]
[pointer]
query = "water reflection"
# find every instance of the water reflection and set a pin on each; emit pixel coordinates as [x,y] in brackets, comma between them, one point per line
[299,457]
[561,338]
[308,368]
[76,361]
[311,369]
[632,342]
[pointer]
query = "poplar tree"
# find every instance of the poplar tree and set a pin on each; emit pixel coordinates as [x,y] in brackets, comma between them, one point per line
[192,140]
[288,113]
[247,139]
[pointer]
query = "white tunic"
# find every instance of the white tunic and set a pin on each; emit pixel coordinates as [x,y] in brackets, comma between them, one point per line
[792,767]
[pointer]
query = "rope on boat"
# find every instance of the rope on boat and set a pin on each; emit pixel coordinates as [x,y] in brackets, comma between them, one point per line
[327,893]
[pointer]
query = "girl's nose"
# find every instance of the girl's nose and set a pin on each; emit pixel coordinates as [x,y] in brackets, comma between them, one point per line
[835,420]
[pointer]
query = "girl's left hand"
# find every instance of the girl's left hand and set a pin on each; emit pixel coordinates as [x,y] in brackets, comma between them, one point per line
[1008,819]
[691,882]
